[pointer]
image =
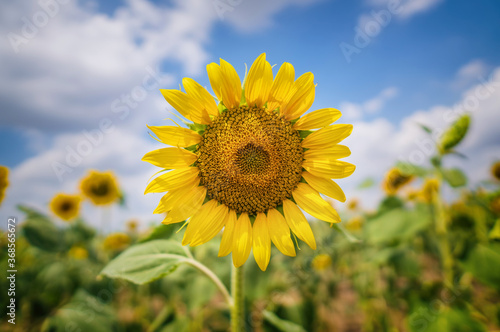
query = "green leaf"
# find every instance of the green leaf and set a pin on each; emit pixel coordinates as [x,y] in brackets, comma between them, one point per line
[83,313]
[410,169]
[341,229]
[41,232]
[366,183]
[281,324]
[455,177]
[146,262]
[397,224]
[425,128]
[484,263]
[427,319]
[159,232]
[304,133]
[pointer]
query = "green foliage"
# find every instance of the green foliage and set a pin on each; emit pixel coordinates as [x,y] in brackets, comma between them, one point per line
[147,262]
[40,231]
[454,177]
[484,263]
[281,324]
[83,313]
[454,134]
[397,225]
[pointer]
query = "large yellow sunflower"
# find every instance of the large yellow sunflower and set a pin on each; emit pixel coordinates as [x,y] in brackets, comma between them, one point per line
[248,162]
[100,187]
[4,181]
[65,206]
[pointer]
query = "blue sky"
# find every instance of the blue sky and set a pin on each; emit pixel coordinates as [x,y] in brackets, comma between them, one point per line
[63,81]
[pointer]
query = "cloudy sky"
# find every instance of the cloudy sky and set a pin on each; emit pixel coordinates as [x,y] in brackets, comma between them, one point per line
[80,80]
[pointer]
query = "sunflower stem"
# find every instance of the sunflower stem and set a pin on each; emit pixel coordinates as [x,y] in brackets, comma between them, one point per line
[212,277]
[237,310]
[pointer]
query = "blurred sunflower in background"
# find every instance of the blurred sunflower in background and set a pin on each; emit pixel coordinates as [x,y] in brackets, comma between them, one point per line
[321,262]
[495,170]
[248,162]
[395,180]
[78,252]
[66,207]
[4,181]
[100,187]
[116,241]
[430,188]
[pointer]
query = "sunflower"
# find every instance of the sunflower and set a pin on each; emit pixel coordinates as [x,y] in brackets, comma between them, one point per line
[395,180]
[248,162]
[321,262]
[65,206]
[78,252]
[4,181]
[100,187]
[495,170]
[116,241]
[430,189]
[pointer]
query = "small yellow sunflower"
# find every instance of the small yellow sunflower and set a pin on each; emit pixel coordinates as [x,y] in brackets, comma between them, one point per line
[495,170]
[321,262]
[100,187]
[65,206]
[250,161]
[395,180]
[353,204]
[354,224]
[430,188]
[132,225]
[4,181]
[116,241]
[78,252]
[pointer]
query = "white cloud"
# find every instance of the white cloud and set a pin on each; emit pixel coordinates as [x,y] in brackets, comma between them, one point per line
[377,145]
[374,105]
[249,16]
[469,73]
[409,8]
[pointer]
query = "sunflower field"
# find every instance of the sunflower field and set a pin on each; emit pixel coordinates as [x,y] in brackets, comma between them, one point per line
[419,262]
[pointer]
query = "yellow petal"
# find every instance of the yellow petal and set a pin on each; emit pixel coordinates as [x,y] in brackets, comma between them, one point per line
[173,180]
[199,93]
[325,186]
[317,119]
[261,241]
[189,107]
[326,137]
[231,88]
[176,136]
[282,86]
[298,223]
[302,99]
[170,199]
[210,225]
[280,232]
[215,77]
[311,202]
[170,158]
[226,244]
[259,81]
[186,206]
[334,152]
[242,240]
[206,211]
[329,168]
